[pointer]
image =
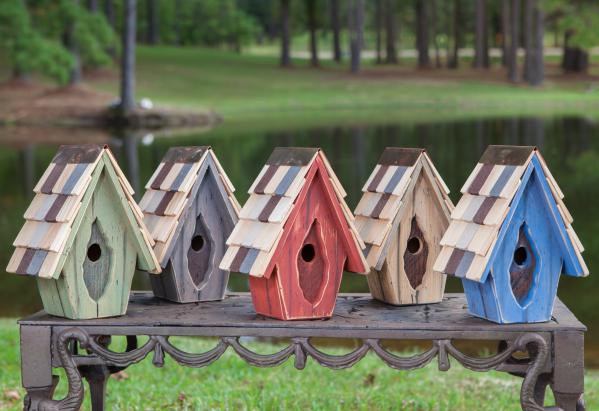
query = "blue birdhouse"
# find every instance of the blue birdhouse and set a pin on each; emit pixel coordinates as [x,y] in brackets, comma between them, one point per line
[510,238]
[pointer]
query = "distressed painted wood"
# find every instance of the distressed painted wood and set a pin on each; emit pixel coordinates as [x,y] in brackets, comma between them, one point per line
[295,237]
[407,276]
[300,289]
[515,278]
[78,293]
[193,275]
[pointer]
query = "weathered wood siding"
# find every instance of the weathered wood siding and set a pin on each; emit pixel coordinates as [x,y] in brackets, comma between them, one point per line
[283,293]
[108,279]
[205,281]
[426,220]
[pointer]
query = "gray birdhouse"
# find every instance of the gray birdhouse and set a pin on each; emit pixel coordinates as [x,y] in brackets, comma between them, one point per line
[190,209]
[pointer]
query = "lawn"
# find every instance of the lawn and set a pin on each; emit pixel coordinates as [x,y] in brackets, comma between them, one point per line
[231,384]
[254,90]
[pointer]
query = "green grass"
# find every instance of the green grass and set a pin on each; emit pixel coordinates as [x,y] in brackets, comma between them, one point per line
[230,383]
[248,89]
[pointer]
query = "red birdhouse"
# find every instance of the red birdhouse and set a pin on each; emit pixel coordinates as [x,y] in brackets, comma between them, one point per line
[295,237]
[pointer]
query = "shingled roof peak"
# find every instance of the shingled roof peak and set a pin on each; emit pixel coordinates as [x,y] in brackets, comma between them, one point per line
[489,194]
[383,203]
[172,187]
[272,198]
[63,194]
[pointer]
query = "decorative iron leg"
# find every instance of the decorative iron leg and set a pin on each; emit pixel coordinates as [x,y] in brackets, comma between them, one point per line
[568,373]
[97,377]
[539,353]
[36,366]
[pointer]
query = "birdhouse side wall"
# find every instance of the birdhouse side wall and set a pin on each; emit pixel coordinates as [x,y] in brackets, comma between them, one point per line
[176,282]
[423,221]
[266,296]
[109,277]
[543,260]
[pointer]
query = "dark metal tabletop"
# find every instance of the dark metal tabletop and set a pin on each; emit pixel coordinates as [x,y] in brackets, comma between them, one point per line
[356,315]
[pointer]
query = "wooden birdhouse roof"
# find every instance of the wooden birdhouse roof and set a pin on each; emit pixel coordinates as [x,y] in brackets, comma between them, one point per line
[489,194]
[170,189]
[381,207]
[273,196]
[61,197]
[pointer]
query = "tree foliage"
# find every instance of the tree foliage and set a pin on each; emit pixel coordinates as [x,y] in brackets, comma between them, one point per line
[27,49]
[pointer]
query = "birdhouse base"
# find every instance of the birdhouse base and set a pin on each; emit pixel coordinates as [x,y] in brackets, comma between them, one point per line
[62,299]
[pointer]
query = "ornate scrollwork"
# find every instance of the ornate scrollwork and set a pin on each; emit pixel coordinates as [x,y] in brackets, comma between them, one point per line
[301,348]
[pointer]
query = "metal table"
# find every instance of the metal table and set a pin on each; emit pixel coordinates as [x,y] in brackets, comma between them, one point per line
[555,349]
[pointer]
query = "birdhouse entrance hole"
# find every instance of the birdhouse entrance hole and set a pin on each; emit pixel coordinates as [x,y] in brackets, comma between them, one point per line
[308,253]
[414,245]
[415,255]
[94,252]
[520,256]
[96,266]
[522,268]
[197,243]
[311,265]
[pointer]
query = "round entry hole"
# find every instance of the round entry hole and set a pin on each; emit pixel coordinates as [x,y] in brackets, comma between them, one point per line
[94,252]
[308,253]
[197,243]
[414,245]
[520,255]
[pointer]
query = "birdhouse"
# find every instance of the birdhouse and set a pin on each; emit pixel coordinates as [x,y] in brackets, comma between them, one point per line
[295,237]
[190,210]
[511,237]
[402,215]
[83,236]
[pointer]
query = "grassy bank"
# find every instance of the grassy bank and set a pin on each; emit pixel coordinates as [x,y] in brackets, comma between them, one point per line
[245,88]
[231,384]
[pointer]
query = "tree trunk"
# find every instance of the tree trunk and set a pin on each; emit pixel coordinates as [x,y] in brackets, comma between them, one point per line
[481,48]
[128,58]
[152,18]
[356,33]
[435,32]
[70,43]
[453,60]
[92,5]
[514,41]
[311,12]
[378,23]
[537,74]
[575,59]
[505,30]
[109,12]
[390,32]
[178,39]
[335,27]
[528,39]
[285,34]
[422,40]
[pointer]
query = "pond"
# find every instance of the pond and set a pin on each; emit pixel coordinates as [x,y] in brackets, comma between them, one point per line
[569,144]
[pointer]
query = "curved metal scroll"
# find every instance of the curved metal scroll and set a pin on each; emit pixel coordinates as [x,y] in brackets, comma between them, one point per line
[301,348]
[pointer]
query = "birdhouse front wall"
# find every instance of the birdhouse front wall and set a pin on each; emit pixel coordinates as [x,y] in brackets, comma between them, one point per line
[308,265]
[524,275]
[407,275]
[96,278]
[192,272]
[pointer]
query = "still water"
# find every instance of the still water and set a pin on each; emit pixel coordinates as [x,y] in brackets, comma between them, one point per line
[570,146]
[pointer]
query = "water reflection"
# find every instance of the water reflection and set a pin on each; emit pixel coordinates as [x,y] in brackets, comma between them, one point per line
[570,146]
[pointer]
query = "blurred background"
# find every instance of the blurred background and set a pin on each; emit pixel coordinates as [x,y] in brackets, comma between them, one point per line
[350,76]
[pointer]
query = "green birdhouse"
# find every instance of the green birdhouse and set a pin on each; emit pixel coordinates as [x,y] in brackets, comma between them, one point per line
[84,236]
